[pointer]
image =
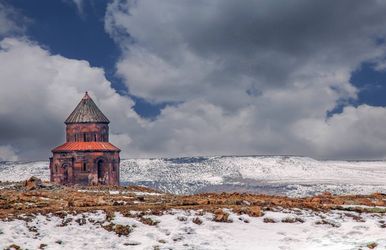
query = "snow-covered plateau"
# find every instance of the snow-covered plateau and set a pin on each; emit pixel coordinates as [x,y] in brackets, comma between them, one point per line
[177,229]
[284,175]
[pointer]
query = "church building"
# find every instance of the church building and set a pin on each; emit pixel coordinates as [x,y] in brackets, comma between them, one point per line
[87,157]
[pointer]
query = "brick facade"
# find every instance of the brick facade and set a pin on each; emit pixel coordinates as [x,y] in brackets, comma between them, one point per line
[87,158]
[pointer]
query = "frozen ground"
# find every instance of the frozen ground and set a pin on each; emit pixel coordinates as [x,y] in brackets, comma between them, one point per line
[285,175]
[286,229]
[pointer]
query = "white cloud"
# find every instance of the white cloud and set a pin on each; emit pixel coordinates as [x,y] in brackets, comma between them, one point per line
[250,77]
[11,21]
[254,77]
[356,133]
[79,6]
[7,153]
[39,90]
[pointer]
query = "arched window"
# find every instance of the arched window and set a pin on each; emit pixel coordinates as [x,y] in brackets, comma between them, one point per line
[84,167]
[84,136]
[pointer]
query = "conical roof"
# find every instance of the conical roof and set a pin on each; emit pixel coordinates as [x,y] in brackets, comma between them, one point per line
[87,112]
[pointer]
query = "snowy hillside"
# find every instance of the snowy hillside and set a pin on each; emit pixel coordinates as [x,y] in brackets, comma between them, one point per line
[293,176]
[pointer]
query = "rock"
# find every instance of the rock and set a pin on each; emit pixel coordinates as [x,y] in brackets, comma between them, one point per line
[292,220]
[33,183]
[328,222]
[197,221]
[122,230]
[118,229]
[13,247]
[81,221]
[221,216]
[254,211]
[148,221]
[269,220]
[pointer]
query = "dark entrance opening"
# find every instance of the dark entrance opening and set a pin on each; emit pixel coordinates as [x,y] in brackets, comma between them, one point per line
[100,170]
[65,176]
[65,173]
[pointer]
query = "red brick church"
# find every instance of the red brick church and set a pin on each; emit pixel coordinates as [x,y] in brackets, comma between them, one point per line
[87,157]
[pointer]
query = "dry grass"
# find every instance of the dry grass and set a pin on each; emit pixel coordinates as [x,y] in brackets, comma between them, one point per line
[63,200]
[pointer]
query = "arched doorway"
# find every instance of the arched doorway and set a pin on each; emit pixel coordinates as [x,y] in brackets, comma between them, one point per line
[100,171]
[65,173]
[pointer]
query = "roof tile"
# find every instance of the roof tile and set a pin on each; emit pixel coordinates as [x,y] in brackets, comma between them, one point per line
[87,112]
[86,146]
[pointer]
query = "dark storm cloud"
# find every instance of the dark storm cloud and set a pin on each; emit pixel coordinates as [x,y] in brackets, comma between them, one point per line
[268,67]
[265,40]
[247,77]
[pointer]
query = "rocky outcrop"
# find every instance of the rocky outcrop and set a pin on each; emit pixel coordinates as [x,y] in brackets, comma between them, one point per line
[33,183]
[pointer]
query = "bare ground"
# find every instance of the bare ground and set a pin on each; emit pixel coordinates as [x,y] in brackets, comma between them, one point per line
[16,200]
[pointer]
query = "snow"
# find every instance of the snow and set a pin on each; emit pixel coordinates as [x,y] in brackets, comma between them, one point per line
[172,232]
[20,171]
[284,175]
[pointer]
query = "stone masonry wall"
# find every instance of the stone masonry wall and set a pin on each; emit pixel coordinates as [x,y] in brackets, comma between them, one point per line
[87,132]
[85,168]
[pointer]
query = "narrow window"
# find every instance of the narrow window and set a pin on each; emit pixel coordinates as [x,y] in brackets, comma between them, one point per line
[95,137]
[84,167]
[84,136]
[56,168]
[76,137]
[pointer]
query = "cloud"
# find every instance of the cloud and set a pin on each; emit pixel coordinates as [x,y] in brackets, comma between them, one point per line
[356,133]
[253,77]
[250,77]
[39,90]
[7,153]
[79,6]
[11,21]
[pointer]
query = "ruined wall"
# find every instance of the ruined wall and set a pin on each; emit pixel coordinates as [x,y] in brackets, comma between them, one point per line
[85,168]
[87,132]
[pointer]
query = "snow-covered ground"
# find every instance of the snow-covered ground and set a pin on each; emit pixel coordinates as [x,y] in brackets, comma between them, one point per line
[176,230]
[292,176]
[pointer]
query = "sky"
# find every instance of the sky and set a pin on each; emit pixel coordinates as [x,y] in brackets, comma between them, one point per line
[187,78]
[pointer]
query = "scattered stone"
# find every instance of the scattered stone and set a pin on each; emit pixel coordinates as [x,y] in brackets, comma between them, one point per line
[269,220]
[33,183]
[292,220]
[221,216]
[148,221]
[42,246]
[355,217]
[182,218]
[81,221]
[118,229]
[328,222]
[177,238]
[132,243]
[244,219]
[197,221]
[65,222]
[13,247]
[372,245]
